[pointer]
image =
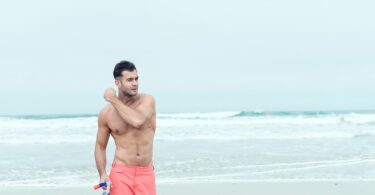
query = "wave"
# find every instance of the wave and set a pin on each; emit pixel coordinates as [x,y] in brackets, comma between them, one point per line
[198,115]
[267,136]
[46,117]
[47,140]
[281,113]
[363,135]
[270,165]
[299,113]
[84,138]
[271,117]
[282,167]
[207,115]
[230,114]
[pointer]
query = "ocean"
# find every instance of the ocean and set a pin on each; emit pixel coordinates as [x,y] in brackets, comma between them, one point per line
[235,146]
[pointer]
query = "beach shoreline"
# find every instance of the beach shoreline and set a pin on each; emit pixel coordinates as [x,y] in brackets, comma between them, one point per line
[220,188]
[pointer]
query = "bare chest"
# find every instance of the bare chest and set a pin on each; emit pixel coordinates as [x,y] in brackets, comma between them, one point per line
[117,125]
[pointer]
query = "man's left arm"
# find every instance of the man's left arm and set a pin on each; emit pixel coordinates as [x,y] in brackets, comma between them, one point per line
[135,117]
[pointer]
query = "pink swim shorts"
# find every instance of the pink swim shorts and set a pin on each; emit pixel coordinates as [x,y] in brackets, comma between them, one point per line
[132,180]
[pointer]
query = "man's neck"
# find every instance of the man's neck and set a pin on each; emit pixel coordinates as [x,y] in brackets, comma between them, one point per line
[127,99]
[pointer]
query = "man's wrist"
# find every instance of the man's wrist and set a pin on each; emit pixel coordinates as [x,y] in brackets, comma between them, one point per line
[112,99]
[103,174]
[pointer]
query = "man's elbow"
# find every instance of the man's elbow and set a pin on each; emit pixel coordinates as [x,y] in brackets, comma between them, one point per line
[100,147]
[139,122]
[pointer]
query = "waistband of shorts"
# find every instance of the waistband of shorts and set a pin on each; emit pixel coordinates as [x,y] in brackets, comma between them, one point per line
[151,167]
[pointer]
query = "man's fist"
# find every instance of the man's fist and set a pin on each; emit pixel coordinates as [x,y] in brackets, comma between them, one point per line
[109,94]
[103,179]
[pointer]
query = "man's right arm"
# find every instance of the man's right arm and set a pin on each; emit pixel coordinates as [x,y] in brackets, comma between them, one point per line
[101,145]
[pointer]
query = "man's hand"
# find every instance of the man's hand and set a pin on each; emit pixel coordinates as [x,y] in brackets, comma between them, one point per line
[109,94]
[104,178]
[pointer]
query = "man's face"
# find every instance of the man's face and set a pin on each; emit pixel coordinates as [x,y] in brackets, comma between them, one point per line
[128,83]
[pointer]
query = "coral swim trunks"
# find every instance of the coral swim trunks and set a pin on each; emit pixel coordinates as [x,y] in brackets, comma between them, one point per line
[132,180]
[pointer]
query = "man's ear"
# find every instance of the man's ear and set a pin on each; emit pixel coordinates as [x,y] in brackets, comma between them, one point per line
[118,83]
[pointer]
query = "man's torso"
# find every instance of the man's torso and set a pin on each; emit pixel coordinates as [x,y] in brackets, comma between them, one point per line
[134,147]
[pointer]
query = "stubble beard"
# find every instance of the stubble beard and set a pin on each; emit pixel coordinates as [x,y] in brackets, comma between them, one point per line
[126,94]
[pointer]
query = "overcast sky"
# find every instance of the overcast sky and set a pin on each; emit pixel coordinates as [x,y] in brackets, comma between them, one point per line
[57,57]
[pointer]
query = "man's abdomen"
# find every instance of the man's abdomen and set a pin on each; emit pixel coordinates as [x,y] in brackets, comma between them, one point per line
[134,155]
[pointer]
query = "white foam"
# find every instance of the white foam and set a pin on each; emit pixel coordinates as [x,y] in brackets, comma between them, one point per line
[277,170]
[199,115]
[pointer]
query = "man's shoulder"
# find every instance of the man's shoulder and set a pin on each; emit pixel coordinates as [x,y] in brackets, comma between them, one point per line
[147,97]
[105,110]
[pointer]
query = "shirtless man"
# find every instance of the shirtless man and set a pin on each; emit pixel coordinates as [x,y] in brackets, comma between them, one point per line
[131,120]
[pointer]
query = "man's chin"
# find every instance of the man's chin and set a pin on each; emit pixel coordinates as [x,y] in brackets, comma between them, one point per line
[134,93]
[131,93]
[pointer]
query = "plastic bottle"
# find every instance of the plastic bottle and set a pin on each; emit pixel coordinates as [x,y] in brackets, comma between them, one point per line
[104,184]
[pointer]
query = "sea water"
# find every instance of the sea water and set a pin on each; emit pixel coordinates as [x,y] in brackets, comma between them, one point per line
[236,146]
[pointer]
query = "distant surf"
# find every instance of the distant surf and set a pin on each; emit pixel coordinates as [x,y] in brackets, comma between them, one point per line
[236,146]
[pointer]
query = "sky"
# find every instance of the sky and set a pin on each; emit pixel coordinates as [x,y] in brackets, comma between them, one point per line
[57,57]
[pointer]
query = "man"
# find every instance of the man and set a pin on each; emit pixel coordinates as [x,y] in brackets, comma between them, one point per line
[131,120]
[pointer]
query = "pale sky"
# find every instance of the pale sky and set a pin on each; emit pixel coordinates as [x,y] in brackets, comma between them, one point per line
[57,57]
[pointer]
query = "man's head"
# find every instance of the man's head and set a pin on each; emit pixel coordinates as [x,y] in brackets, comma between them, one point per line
[126,78]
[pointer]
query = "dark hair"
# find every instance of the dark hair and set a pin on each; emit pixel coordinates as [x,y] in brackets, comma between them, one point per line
[121,66]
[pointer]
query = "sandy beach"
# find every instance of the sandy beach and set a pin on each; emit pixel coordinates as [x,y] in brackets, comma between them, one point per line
[256,188]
